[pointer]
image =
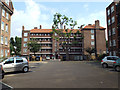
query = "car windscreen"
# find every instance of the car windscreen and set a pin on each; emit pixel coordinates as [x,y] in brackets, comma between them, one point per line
[112,58]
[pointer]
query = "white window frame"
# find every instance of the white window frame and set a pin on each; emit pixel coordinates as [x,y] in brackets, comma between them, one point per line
[7,15]
[2,52]
[114,42]
[3,12]
[113,31]
[25,39]
[6,41]
[109,22]
[92,31]
[109,32]
[24,50]
[6,53]
[110,53]
[2,25]
[113,19]
[92,43]
[114,53]
[25,34]
[112,9]
[110,43]
[2,39]
[6,27]
[108,12]
[92,36]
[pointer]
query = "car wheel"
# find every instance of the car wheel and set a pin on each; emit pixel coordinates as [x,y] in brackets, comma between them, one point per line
[117,68]
[104,65]
[25,69]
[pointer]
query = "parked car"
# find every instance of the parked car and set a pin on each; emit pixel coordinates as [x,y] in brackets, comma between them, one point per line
[108,61]
[15,64]
[1,72]
[117,65]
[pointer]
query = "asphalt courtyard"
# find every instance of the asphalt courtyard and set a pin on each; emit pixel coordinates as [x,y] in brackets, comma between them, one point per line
[71,74]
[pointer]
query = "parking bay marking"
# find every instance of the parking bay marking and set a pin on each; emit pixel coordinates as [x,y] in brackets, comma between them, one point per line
[5,86]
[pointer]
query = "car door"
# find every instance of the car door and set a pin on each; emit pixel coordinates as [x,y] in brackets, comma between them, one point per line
[110,60]
[8,65]
[18,64]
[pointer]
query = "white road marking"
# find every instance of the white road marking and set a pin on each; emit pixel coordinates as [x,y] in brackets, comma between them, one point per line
[10,75]
[7,85]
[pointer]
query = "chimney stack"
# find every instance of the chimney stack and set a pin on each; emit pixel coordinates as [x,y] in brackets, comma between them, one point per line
[23,28]
[40,26]
[64,27]
[35,27]
[97,24]
[52,27]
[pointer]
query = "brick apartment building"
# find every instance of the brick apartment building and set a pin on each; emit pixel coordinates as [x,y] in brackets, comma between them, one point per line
[6,11]
[92,33]
[50,48]
[113,28]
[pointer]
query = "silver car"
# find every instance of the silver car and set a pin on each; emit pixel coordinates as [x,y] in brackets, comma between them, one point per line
[108,61]
[15,64]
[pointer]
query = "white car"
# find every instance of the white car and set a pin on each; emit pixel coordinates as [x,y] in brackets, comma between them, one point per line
[108,61]
[15,64]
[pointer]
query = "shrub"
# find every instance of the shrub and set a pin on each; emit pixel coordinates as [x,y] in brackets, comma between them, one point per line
[101,56]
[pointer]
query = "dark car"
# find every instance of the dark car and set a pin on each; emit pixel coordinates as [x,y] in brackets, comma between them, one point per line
[117,65]
[1,72]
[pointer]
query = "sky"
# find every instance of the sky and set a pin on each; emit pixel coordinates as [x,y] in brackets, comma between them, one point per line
[33,13]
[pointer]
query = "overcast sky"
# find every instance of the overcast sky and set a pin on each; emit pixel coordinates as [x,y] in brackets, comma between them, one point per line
[33,13]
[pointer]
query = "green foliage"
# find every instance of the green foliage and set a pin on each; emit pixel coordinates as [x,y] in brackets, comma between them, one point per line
[58,22]
[15,43]
[100,57]
[33,46]
[90,50]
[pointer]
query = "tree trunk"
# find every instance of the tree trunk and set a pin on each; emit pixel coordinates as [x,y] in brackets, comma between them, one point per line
[67,55]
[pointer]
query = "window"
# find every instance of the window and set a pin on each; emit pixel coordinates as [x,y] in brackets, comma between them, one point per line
[1,39]
[7,16]
[25,50]
[7,2]
[25,45]
[109,22]
[2,27]
[92,36]
[9,61]
[6,53]
[109,32]
[25,39]
[113,19]
[92,43]
[114,53]
[114,43]
[108,12]
[92,31]
[55,34]
[1,53]
[112,9]
[113,30]
[3,12]
[19,60]
[6,41]
[110,43]
[110,53]
[25,34]
[6,28]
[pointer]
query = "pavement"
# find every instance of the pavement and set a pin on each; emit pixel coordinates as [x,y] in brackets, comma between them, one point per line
[70,74]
